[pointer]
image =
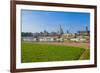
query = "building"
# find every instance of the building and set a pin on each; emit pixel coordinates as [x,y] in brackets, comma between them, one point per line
[80,36]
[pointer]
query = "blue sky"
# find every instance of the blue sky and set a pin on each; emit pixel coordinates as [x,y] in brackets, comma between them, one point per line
[37,21]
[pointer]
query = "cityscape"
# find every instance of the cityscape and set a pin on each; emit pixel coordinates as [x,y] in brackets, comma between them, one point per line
[59,36]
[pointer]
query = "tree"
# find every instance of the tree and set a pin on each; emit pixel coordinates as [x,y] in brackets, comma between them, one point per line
[75,35]
[26,34]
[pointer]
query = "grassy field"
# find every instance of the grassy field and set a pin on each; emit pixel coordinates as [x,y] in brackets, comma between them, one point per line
[37,52]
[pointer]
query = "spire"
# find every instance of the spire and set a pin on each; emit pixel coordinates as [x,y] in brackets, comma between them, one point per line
[61,30]
[67,31]
[86,28]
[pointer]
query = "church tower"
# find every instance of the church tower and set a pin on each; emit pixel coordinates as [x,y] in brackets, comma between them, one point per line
[61,30]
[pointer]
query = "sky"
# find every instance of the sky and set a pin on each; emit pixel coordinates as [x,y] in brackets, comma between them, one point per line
[38,21]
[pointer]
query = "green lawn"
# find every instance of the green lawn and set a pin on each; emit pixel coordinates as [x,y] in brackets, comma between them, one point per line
[36,52]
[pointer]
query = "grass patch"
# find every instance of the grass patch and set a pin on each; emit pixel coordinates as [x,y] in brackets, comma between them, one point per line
[36,52]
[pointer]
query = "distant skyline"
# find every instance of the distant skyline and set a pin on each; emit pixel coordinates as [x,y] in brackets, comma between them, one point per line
[38,21]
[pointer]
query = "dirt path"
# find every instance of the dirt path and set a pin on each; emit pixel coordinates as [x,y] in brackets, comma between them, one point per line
[74,44]
[83,45]
[85,55]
